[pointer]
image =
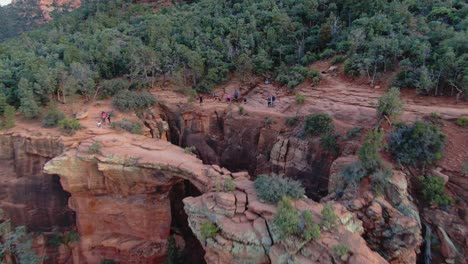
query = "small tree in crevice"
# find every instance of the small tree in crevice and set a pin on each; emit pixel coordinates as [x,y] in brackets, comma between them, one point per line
[390,105]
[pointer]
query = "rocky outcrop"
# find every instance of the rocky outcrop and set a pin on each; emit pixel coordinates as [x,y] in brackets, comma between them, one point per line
[391,222]
[246,232]
[27,195]
[120,193]
[42,9]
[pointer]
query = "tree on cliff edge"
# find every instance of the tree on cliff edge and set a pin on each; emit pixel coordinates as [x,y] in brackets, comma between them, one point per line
[15,244]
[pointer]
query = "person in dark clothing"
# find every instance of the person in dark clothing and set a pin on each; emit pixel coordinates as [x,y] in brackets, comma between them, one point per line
[108,116]
[245,100]
[200,99]
[236,95]
[269,101]
[273,98]
[103,117]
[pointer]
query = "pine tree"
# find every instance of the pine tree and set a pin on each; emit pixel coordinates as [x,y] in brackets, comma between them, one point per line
[28,106]
[8,117]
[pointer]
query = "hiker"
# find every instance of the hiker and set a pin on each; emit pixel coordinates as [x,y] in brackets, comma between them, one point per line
[269,101]
[103,117]
[236,95]
[245,100]
[200,99]
[108,116]
[99,123]
[228,98]
[273,98]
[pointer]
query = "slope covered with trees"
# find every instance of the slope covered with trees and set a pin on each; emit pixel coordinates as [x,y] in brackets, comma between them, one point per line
[198,44]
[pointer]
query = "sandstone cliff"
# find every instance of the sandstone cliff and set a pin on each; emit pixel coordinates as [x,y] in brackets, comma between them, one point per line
[120,196]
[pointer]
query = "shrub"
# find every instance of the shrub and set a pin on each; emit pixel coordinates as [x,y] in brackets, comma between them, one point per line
[241,110]
[111,87]
[69,125]
[8,117]
[208,230]
[127,125]
[314,75]
[267,121]
[292,121]
[291,76]
[329,143]
[126,101]
[272,188]
[52,118]
[311,229]
[300,99]
[351,68]
[287,219]
[353,173]
[462,121]
[190,150]
[192,95]
[318,124]
[95,148]
[229,185]
[338,60]
[434,191]
[380,178]
[329,218]
[390,104]
[417,145]
[354,132]
[340,250]
[107,261]
[464,169]
[369,153]
[3,102]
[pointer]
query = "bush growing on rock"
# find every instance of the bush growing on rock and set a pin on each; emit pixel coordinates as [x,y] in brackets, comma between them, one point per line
[69,125]
[300,99]
[317,124]
[462,121]
[190,150]
[369,154]
[353,133]
[340,250]
[434,191]
[208,230]
[292,121]
[418,145]
[229,185]
[353,173]
[95,148]
[311,229]
[272,188]
[126,101]
[287,219]
[52,118]
[390,104]
[329,143]
[329,218]
[127,125]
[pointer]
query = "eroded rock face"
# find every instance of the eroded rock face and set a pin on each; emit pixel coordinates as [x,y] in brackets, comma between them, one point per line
[247,233]
[27,195]
[120,194]
[42,10]
[391,222]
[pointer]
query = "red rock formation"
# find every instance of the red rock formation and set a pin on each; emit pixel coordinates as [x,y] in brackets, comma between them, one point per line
[42,9]
[121,201]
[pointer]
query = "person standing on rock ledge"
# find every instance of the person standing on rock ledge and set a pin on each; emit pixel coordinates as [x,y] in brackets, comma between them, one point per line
[108,115]
[103,117]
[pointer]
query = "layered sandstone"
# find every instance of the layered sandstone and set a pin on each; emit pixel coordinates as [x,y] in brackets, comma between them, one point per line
[120,194]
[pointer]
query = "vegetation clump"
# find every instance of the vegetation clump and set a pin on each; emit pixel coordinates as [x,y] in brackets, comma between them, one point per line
[340,250]
[434,191]
[329,218]
[292,121]
[52,118]
[353,133]
[271,188]
[290,222]
[110,88]
[369,154]
[8,117]
[208,230]
[95,148]
[300,99]
[317,124]
[390,104]
[69,125]
[128,125]
[418,145]
[127,101]
[462,121]
[329,143]
[190,150]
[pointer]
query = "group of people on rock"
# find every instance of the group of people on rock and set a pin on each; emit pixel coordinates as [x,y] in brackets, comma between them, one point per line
[104,116]
[270,100]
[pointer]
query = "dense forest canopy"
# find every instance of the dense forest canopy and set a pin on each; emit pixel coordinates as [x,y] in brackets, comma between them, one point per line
[198,44]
